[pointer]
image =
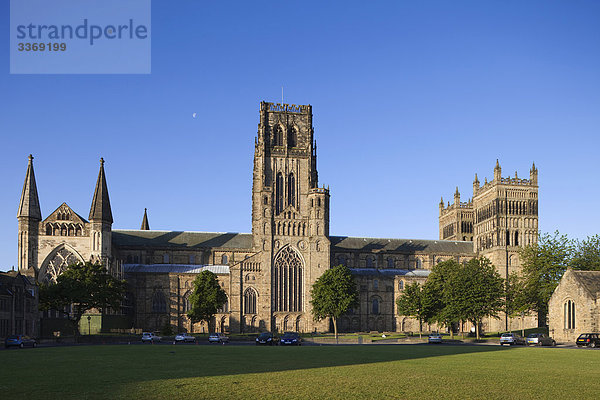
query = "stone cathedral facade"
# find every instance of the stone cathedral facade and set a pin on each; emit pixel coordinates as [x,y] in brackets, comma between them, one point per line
[268,273]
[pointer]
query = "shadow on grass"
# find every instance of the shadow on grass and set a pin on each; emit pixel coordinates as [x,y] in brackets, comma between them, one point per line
[94,371]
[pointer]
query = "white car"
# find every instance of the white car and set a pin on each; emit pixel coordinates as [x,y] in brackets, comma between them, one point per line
[218,338]
[434,338]
[185,337]
[150,337]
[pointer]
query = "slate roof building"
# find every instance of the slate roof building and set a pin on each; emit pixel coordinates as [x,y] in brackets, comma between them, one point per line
[574,307]
[267,273]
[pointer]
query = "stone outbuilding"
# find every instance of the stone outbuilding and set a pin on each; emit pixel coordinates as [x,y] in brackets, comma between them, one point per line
[574,307]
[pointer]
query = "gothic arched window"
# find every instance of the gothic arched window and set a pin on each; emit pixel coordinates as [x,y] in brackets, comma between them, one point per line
[159,303]
[370,261]
[250,301]
[278,136]
[293,137]
[291,192]
[287,280]
[375,306]
[225,307]
[390,262]
[224,259]
[569,314]
[279,193]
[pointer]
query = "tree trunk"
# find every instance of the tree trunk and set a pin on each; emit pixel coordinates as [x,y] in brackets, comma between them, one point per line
[477,329]
[420,328]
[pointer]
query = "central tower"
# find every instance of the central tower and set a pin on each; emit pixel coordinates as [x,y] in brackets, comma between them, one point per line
[290,214]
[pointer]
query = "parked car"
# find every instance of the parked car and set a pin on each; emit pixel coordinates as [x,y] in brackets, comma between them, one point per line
[434,338]
[588,339]
[267,338]
[19,341]
[511,339]
[185,337]
[540,339]
[291,339]
[218,338]
[150,337]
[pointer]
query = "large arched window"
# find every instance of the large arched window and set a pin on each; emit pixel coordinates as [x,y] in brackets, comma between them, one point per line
[159,303]
[279,193]
[287,280]
[293,137]
[291,190]
[375,306]
[278,136]
[186,301]
[569,314]
[250,301]
[225,307]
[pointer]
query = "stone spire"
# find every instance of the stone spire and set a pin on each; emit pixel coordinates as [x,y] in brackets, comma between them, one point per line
[533,174]
[100,210]
[497,172]
[145,225]
[475,185]
[29,206]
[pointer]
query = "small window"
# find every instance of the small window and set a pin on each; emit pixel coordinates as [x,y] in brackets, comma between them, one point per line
[375,306]
[165,258]
[375,284]
[192,259]
[224,259]
[390,262]
[401,285]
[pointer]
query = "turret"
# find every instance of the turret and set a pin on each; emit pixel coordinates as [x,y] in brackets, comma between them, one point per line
[101,219]
[145,226]
[475,185]
[457,197]
[533,175]
[29,217]
[441,204]
[497,172]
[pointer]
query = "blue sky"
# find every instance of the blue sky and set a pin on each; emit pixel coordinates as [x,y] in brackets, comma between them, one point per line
[410,100]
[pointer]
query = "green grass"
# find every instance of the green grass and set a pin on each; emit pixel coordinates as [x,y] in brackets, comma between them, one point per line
[310,372]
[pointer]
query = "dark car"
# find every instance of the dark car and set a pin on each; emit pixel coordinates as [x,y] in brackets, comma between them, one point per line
[588,339]
[291,339]
[267,338]
[540,339]
[19,341]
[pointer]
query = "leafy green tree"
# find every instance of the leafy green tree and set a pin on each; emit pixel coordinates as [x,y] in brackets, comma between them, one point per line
[82,287]
[518,300]
[206,299]
[543,264]
[476,291]
[438,304]
[333,294]
[586,254]
[410,304]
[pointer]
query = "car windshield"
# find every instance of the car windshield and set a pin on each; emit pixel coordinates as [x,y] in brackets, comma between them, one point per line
[290,335]
[507,335]
[264,335]
[533,335]
[583,336]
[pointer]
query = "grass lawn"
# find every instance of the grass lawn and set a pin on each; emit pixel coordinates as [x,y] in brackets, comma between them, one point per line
[338,372]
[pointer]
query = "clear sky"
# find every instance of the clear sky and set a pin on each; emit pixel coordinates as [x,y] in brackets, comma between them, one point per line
[410,100]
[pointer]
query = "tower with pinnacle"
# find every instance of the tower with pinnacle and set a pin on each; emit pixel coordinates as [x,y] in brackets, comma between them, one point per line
[29,216]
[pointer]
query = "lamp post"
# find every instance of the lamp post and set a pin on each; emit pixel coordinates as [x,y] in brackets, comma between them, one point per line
[89,325]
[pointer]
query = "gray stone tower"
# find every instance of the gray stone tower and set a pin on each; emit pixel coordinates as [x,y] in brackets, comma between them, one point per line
[101,221]
[290,218]
[506,218]
[29,217]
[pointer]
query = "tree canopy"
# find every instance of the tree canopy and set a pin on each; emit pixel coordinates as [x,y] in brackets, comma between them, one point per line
[333,294]
[410,303]
[206,299]
[83,287]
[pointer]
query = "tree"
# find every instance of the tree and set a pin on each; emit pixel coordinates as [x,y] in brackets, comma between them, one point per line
[586,254]
[518,300]
[410,303]
[82,287]
[436,295]
[476,291]
[543,264]
[206,299]
[333,294]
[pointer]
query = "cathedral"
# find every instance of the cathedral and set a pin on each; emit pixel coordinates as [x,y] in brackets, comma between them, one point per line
[268,273]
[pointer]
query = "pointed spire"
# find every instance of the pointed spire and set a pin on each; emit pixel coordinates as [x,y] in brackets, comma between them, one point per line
[100,209]
[497,172]
[533,168]
[457,193]
[476,179]
[497,164]
[145,225]
[29,206]
[442,201]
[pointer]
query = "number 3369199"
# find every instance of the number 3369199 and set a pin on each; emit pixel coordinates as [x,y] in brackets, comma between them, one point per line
[42,46]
